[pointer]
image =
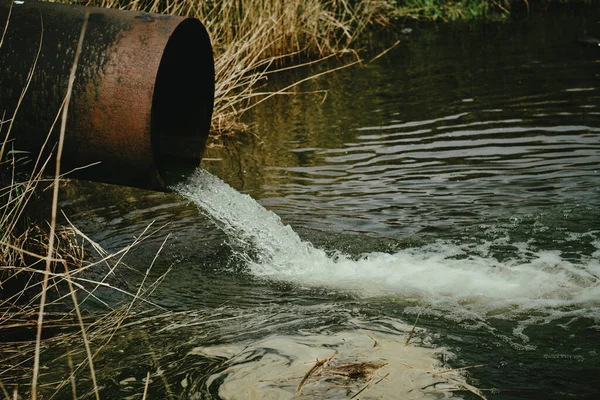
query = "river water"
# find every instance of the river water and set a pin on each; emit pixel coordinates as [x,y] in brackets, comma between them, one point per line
[454,182]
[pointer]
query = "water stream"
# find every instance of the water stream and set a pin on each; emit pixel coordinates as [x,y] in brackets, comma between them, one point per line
[461,280]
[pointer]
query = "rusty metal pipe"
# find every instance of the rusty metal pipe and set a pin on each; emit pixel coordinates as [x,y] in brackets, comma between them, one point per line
[143,95]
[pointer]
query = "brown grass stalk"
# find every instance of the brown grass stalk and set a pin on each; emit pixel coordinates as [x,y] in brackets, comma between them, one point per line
[412,331]
[28,82]
[146,386]
[6,25]
[63,126]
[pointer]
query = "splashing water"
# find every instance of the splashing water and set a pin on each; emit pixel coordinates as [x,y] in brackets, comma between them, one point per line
[443,276]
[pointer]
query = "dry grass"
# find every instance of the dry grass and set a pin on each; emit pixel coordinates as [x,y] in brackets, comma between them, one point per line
[50,249]
[72,281]
[62,282]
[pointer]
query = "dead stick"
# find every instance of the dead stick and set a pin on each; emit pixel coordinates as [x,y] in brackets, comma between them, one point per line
[412,331]
[318,364]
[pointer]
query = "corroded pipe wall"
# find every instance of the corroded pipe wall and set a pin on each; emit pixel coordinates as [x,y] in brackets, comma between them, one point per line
[143,95]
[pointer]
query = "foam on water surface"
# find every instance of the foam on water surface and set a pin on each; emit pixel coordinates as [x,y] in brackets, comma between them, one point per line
[376,364]
[463,280]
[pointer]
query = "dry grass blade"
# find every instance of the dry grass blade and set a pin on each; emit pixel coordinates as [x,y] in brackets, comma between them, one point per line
[121,255]
[368,385]
[63,126]
[28,82]
[468,388]
[95,245]
[459,369]
[463,386]
[285,89]
[384,52]
[155,360]
[84,336]
[146,385]
[72,374]
[141,285]
[6,24]
[412,331]
[375,344]
[4,392]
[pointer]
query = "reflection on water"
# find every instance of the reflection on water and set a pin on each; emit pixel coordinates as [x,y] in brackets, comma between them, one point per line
[454,127]
[457,177]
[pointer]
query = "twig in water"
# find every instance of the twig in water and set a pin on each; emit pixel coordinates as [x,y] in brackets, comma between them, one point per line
[168,390]
[318,364]
[146,385]
[471,389]
[412,331]
[385,51]
[6,25]
[370,336]
[86,342]
[6,395]
[72,370]
[368,385]
[459,369]
[137,295]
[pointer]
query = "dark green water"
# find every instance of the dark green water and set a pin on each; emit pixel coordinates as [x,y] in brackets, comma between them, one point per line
[458,177]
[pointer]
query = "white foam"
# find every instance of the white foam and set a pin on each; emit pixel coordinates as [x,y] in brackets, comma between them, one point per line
[441,275]
[277,367]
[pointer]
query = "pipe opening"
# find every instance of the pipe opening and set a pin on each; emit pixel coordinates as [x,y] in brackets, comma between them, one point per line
[182,102]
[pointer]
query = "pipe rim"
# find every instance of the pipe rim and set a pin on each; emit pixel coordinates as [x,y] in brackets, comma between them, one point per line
[182,102]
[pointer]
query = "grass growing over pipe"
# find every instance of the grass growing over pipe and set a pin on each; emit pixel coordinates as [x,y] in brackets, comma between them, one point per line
[254,38]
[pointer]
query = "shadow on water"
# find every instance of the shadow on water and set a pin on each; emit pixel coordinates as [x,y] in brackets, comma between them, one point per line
[457,177]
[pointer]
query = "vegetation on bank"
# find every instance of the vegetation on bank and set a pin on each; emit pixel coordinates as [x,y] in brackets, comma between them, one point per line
[452,10]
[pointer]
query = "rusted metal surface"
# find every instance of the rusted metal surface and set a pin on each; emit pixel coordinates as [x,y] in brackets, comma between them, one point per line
[143,95]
